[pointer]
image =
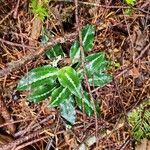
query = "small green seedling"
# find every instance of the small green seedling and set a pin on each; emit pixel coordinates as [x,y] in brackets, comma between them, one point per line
[130,2]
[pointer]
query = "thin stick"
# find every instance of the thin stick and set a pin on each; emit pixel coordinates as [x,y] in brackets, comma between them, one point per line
[121,103]
[16,44]
[31,142]
[21,140]
[135,60]
[83,65]
[10,13]
[107,7]
[16,9]
[26,130]
[14,122]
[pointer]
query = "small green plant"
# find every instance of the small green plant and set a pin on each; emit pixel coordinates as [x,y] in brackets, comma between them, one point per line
[65,86]
[39,8]
[130,2]
[139,119]
[129,11]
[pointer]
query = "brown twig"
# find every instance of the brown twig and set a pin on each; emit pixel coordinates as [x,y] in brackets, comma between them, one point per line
[142,52]
[31,142]
[81,48]
[83,65]
[16,44]
[13,11]
[121,102]
[135,60]
[10,13]
[16,64]
[16,9]
[22,140]
[126,143]
[106,6]
[6,115]
[94,4]
[27,130]
[48,146]
[14,122]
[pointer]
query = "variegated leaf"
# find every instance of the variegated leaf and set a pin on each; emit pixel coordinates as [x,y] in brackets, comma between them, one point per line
[69,78]
[75,52]
[55,51]
[81,74]
[38,76]
[67,110]
[40,93]
[96,63]
[59,96]
[88,37]
[100,80]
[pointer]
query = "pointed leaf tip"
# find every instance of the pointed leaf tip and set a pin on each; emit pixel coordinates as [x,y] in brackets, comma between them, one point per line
[67,110]
[69,78]
[40,93]
[75,52]
[88,33]
[100,80]
[55,51]
[40,75]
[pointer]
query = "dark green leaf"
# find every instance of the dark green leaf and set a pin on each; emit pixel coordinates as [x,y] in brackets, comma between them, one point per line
[88,37]
[55,51]
[75,52]
[40,93]
[68,111]
[81,74]
[59,96]
[100,80]
[68,77]
[96,63]
[88,107]
[38,76]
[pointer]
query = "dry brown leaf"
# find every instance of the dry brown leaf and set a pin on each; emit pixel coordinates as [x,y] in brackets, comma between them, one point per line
[134,72]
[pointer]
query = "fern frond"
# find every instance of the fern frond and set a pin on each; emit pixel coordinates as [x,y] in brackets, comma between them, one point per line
[139,119]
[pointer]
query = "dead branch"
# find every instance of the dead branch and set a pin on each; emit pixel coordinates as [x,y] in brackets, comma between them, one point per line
[22,140]
[16,44]
[16,64]
[31,142]
[27,130]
